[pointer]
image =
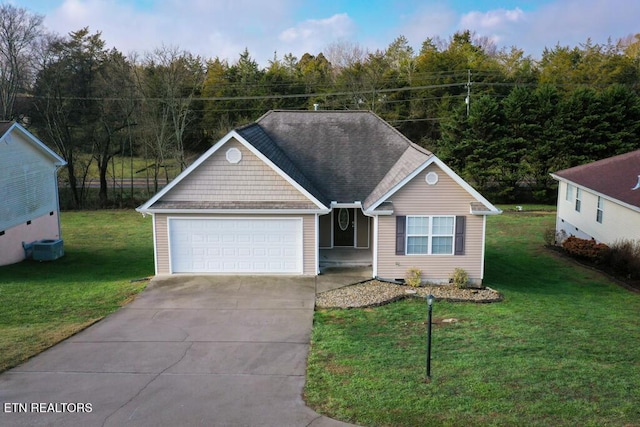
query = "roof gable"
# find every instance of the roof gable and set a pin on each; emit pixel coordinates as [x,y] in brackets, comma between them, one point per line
[478,206]
[7,129]
[191,179]
[614,177]
[406,165]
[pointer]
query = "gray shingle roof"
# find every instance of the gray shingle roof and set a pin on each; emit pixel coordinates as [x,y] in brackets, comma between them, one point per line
[341,155]
[256,136]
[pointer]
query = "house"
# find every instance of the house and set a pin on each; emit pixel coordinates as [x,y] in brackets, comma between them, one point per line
[283,194]
[29,192]
[600,200]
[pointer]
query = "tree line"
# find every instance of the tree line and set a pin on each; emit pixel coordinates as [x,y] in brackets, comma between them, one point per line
[500,118]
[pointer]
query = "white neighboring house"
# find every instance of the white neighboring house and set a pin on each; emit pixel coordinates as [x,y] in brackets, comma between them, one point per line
[600,200]
[29,210]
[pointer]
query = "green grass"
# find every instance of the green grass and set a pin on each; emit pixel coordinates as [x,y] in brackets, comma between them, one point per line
[562,349]
[42,303]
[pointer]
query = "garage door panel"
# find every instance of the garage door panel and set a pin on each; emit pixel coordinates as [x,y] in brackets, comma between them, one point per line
[243,245]
[244,238]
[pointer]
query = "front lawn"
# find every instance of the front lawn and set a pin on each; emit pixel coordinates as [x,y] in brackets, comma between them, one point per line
[42,303]
[562,349]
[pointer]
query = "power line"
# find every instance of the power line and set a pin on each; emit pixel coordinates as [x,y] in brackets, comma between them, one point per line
[257,97]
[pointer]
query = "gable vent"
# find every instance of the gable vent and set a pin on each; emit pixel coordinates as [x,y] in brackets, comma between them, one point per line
[234,155]
[638,184]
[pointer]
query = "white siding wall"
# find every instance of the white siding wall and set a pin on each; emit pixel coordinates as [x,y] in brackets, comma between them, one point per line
[27,182]
[618,222]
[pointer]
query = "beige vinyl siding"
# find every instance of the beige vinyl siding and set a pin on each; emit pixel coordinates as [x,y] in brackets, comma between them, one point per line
[161,243]
[310,242]
[442,199]
[162,238]
[250,180]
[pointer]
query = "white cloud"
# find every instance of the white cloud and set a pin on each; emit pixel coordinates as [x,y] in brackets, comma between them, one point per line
[498,25]
[430,21]
[222,28]
[492,20]
[570,23]
[313,35]
[564,22]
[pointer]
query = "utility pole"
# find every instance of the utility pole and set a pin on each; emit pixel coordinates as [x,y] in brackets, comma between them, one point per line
[468,98]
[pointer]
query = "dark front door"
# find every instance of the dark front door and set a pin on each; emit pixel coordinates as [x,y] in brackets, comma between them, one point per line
[343,227]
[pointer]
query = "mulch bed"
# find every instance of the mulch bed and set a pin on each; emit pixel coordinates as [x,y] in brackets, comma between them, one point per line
[374,293]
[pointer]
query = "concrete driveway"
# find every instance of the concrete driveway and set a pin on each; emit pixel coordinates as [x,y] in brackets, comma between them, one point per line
[189,351]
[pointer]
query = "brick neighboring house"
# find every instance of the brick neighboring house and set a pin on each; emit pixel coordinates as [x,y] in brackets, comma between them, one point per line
[295,189]
[600,200]
[29,210]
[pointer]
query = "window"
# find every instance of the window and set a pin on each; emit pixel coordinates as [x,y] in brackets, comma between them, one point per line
[569,193]
[600,210]
[417,234]
[578,199]
[430,235]
[442,235]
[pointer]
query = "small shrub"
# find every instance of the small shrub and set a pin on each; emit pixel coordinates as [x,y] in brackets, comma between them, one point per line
[459,278]
[413,277]
[550,236]
[623,258]
[587,249]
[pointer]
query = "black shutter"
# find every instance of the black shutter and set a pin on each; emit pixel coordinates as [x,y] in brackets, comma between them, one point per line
[401,222]
[460,228]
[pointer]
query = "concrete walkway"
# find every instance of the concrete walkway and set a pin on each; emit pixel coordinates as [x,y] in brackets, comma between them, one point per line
[189,351]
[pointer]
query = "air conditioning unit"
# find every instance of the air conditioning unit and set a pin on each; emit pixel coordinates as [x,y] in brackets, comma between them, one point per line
[47,250]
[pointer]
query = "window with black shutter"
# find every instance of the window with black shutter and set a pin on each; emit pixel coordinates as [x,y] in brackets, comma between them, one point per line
[401,222]
[460,231]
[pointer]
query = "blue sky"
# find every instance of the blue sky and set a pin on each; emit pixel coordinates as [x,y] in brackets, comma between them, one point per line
[224,28]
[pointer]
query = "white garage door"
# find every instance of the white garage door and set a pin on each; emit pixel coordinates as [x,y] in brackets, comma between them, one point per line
[207,245]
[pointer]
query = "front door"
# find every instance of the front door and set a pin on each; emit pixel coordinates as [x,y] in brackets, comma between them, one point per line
[343,227]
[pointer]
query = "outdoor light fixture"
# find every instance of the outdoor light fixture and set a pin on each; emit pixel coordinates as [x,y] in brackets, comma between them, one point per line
[430,299]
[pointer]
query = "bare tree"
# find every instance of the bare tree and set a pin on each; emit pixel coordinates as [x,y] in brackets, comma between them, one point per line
[19,32]
[168,79]
[343,54]
[113,84]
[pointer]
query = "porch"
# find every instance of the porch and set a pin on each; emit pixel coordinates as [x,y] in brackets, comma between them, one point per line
[345,257]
